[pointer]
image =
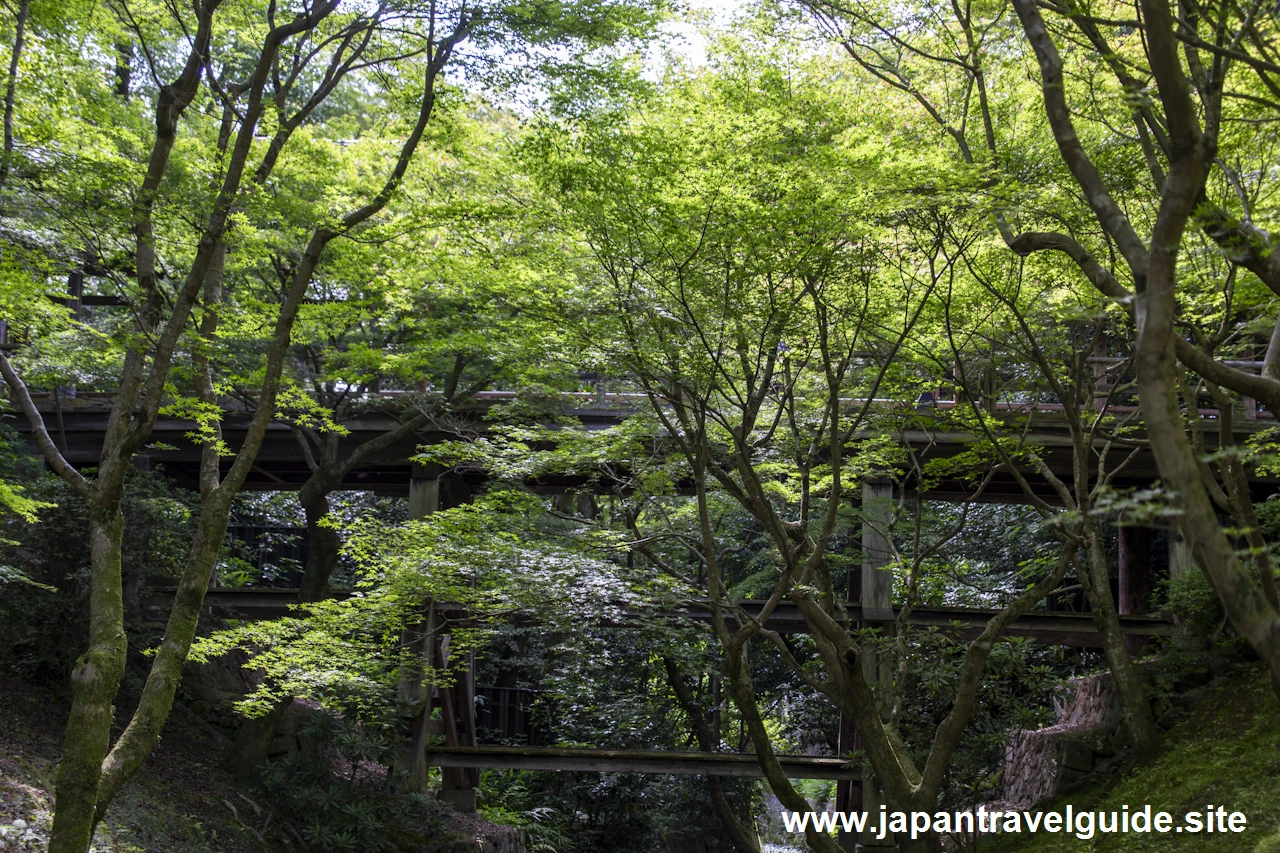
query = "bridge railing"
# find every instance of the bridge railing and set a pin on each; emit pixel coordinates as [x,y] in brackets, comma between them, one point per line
[937,398]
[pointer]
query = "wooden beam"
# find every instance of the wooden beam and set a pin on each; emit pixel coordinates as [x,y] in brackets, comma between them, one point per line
[1044,626]
[633,761]
[86,419]
[875,609]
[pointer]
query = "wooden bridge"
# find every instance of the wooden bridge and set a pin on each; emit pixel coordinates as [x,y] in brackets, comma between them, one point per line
[77,425]
[1049,627]
[463,755]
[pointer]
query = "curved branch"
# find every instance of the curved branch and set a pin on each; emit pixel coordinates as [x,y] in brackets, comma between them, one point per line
[1053,90]
[1264,388]
[57,461]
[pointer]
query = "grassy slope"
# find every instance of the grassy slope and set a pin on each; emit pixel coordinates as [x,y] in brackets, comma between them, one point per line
[1227,753]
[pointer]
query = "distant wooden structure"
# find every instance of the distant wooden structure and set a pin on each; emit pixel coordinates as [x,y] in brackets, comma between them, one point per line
[635,761]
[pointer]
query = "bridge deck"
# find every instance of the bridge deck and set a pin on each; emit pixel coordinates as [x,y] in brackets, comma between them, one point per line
[78,424]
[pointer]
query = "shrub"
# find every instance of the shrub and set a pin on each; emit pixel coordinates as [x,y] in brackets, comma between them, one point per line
[338,796]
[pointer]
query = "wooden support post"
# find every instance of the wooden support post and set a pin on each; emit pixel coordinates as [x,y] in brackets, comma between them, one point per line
[457,705]
[424,491]
[877,577]
[1249,403]
[75,292]
[421,641]
[1135,579]
[467,717]
[989,382]
[955,385]
[457,701]
[876,587]
[1100,373]
[848,792]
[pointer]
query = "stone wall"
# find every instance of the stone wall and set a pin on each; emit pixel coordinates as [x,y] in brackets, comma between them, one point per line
[1087,737]
[477,835]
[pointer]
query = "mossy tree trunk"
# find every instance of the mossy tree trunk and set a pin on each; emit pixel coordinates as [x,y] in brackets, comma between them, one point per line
[94,683]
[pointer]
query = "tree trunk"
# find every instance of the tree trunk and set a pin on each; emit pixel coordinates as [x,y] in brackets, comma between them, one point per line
[94,683]
[742,841]
[253,740]
[1191,150]
[140,736]
[927,842]
[86,782]
[1133,696]
[1243,599]
[323,542]
[743,693]
[1154,356]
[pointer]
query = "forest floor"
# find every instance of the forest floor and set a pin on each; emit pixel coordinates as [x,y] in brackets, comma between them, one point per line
[177,802]
[1226,753]
[180,801]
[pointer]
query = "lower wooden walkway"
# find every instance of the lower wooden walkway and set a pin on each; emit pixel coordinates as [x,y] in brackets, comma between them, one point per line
[634,761]
[1062,628]
[462,758]
[1049,627]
